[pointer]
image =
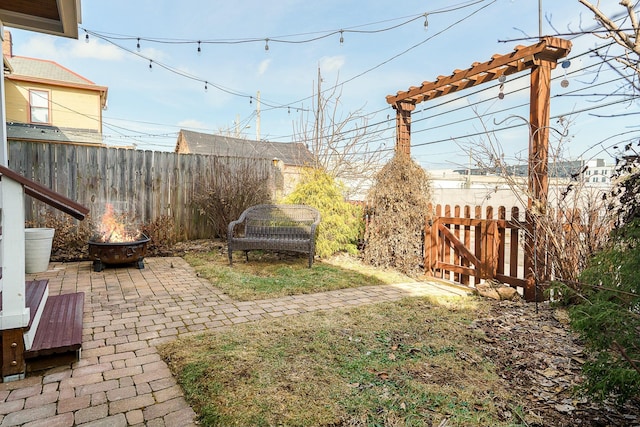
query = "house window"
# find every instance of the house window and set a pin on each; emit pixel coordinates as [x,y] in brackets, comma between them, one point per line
[39,106]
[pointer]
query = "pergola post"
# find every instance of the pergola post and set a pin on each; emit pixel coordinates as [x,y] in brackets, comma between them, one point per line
[403,126]
[540,100]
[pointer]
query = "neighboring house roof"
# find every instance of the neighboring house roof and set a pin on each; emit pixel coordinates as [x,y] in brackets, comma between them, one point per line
[290,153]
[6,65]
[49,72]
[47,133]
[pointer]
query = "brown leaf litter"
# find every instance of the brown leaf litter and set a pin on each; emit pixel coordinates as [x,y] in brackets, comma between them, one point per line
[540,358]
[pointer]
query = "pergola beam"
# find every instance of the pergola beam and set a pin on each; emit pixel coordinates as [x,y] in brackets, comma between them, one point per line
[523,57]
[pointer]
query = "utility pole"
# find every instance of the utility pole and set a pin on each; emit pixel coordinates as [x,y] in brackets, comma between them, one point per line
[540,19]
[258,116]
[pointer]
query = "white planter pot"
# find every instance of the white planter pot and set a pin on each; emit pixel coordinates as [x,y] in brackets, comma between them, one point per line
[37,249]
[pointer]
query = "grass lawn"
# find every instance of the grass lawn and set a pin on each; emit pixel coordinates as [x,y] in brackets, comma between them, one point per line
[267,275]
[410,363]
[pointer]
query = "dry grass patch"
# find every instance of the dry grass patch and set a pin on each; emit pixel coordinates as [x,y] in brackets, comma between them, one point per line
[269,275]
[412,363]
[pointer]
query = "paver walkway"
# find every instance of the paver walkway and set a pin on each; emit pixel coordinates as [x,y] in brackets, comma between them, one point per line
[120,379]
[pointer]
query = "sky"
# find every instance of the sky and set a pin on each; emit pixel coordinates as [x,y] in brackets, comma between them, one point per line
[386,48]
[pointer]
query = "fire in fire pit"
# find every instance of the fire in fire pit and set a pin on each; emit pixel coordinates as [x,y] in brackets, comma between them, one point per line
[114,244]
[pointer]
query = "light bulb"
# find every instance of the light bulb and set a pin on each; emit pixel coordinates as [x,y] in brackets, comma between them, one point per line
[251,100]
[199,49]
[266,44]
[86,38]
[426,21]
[150,64]
[138,45]
[206,88]
[341,37]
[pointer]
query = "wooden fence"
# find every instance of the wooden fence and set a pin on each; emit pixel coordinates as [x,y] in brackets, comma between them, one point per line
[467,248]
[144,185]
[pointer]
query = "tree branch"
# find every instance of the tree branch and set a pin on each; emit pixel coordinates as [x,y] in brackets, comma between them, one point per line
[618,35]
[624,354]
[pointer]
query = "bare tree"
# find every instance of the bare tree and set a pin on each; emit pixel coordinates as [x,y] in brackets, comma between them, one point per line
[574,223]
[624,31]
[346,146]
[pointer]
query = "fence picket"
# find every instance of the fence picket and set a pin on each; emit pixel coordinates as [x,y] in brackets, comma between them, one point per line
[464,279]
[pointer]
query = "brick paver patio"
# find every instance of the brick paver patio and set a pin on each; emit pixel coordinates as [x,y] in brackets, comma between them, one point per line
[120,379]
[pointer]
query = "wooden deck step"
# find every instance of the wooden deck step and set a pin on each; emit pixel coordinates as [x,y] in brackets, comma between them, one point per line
[34,293]
[58,338]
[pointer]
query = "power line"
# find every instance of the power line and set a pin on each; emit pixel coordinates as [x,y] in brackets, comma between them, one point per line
[488,88]
[403,52]
[143,134]
[272,104]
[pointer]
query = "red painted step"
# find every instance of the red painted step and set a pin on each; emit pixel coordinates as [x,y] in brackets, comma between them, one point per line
[60,328]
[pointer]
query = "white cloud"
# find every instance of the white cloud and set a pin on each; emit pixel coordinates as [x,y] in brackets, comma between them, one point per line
[38,46]
[262,68]
[48,47]
[155,54]
[192,124]
[331,63]
[95,49]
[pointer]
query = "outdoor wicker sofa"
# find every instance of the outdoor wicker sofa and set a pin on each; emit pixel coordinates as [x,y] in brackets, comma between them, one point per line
[274,228]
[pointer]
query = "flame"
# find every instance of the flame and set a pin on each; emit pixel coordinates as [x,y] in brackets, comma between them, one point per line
[112,230]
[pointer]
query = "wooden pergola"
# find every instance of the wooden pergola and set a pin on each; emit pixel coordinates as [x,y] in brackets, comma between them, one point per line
[540,58]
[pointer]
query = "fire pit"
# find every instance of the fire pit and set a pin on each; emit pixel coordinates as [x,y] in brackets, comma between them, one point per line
[118,253]
[116,243]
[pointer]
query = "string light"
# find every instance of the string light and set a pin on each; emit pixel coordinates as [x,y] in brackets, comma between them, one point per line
[295,38]
[565,64]
[501,79]
[199,49]
[138,45]
[206,87]
[111,38]
[341,36]
[86,37]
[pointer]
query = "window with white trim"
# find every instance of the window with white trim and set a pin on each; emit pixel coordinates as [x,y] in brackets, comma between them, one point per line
[38,106]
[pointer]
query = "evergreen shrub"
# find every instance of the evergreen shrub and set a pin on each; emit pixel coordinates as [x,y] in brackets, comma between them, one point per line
[341,221]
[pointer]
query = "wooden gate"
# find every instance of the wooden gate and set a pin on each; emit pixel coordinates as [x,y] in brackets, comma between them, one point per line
[468,249]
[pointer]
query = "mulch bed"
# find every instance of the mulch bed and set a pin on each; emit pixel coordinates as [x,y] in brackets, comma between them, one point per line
[540,358]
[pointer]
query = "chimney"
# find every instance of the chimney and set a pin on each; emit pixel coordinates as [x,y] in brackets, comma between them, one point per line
[7,45]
